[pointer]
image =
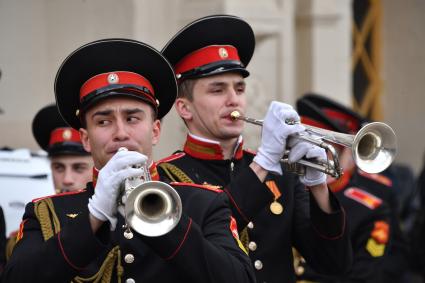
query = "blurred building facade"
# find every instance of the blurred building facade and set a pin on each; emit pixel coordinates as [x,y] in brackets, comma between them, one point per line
[302,46]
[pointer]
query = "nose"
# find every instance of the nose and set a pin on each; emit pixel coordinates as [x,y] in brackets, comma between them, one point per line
[121,132]
[68,178]
[232,97]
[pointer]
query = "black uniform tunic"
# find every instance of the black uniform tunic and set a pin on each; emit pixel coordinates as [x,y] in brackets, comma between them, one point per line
[320,237]
[201,248]
[369,219]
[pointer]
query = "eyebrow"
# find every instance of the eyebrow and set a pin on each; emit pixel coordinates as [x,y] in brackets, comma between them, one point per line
[128,111]
[217,84]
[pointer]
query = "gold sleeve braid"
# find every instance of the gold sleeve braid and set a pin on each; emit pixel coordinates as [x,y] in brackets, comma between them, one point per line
[50,225]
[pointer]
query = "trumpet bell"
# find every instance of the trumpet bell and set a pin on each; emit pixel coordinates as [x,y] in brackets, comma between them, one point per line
[374,147]
[153,208]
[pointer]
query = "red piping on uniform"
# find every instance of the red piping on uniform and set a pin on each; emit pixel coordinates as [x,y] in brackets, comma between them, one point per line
[61,194]
[182,242]
[171,157]
[206,187]
[64,255]
[236,205]
[337,236]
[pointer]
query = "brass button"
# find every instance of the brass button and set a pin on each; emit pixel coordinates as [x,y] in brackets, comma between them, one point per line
[250,225]
[129,258]
[130,280]
[258,264]
[252,246]
[128,234]
[299,270]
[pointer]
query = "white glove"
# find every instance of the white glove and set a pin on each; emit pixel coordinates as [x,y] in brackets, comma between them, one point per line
[300,149]
[103,203]
[274,135]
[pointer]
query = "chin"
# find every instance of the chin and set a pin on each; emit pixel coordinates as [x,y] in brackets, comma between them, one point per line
[231,134]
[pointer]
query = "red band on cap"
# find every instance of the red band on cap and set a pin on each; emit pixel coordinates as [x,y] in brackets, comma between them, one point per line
[312,122]
[343,119]
[60,135]
[206,55]
[115,78]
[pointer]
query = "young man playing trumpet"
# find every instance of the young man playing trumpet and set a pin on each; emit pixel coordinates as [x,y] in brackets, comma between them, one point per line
[209,56]
[115,91]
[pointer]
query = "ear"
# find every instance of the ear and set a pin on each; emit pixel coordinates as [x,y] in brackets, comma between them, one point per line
[183,108]
[85,139]
[156,131]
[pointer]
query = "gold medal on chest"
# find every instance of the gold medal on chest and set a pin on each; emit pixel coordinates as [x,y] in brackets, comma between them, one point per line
[276,208]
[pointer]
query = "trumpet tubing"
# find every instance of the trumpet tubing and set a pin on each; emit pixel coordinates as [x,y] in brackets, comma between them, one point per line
[374,146]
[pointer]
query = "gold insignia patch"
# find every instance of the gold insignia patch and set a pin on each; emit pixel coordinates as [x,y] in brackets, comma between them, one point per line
[375,249]
[72,215]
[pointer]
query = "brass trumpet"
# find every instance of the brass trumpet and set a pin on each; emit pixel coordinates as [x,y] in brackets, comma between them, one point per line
[374,147]
[152,208]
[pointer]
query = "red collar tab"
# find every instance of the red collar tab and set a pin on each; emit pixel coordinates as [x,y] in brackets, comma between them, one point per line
[208,150]
[315,123]
[154,172]
[66,134]
[207,55]
[346,121]
[119,79]
[95,176]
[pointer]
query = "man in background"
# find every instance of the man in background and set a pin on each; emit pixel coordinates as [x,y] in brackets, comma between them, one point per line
[71,165]
[344,120]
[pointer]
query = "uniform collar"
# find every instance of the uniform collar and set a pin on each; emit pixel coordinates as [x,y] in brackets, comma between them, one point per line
[152,170]
[207,149]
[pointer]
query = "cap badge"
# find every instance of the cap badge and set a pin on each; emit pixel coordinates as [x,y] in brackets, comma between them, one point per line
[113,78]
[67,135]
[223,53]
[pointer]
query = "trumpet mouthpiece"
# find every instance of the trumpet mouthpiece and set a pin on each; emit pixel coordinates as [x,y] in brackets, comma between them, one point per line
[235,115]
